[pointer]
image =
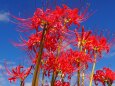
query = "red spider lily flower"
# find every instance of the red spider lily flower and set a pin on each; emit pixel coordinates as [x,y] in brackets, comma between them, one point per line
[65,66]
[51,64]
[60,18]
[109,73]
[51,42]
[70,16]
[58,64]
[59,83]
[32,43]
[104,76]
[80,57]
[18,73]
[44,57]
[82,38]
[99,76]
[97,44]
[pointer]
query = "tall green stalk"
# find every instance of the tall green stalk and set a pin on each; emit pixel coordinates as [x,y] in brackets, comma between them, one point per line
[78,75]
[83,72]
[78,72]
[109,83]
[53,79]
[93,68]
[36,72]
[54,75]
[83,76]
[21,83]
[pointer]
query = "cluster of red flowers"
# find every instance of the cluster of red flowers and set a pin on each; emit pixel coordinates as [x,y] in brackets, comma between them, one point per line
[59,83]
[105,76]
[55,58]
[92,43]
[18,73]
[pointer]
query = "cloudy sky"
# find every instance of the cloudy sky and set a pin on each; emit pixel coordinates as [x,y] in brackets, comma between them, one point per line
[103,19]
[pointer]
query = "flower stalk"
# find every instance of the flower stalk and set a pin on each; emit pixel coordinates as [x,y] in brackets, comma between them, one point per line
[53,79]
[54,75]
[21,83]
[83,73]
[78,75]
[36,72]
[83,76]
[93,68]
[109,83]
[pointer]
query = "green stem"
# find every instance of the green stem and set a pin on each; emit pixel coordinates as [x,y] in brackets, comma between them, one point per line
[54,73]
[109,83]
[78,72]
[83,73]
[36,72]
[78,75]
[53,78]
[62,79]
[83,77]
[21,83]
[93,68]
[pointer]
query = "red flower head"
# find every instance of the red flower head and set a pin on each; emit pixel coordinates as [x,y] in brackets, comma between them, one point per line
[51,64]
[80,57]
[58,19]
[33,41]
[104,76]
[82,38]
[59,64]
[18,73]
[97,44]
[59,83]
[65,65]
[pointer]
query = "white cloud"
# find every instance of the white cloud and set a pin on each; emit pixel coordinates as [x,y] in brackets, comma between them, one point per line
[28,84]
[4,16]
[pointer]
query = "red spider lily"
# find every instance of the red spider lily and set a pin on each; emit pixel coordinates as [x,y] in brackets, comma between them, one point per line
[60,18]
[58,64]
[51,64]
[109,73]
[65,66]
[80,57]
[44,57]
[59,83]
[82,38]
[69,16]
[18,73]
[104,76]
[51,42]
[92,43]
[33,42]
[97,44]
[65,63]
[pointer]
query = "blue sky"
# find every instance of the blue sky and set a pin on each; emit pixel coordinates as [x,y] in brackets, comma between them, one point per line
[102,20]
